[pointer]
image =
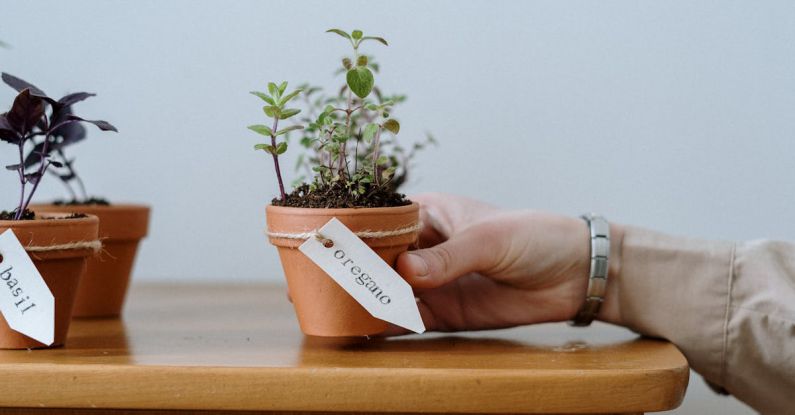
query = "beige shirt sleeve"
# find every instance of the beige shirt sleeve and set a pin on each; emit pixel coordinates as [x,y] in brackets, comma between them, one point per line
[729,307]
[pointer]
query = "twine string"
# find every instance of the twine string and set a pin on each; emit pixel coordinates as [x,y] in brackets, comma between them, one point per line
[368,234]
[95,246]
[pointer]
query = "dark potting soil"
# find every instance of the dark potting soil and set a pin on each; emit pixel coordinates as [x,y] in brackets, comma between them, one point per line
[97,201]
[337,196]
[30,215]
[71,216]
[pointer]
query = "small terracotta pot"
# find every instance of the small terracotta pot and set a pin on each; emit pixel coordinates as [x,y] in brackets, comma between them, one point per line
[322,306]
[104,286]
[60,269]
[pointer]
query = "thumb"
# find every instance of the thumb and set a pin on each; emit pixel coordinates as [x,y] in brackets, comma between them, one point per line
[462,254]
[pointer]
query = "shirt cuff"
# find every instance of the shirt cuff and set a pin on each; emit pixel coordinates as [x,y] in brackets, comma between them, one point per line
[678,289]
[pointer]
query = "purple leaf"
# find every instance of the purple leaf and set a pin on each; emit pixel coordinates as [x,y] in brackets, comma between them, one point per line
[21,85]
[69,133]
[57,164]
[102,125]
[7,132]
[67,176]
[34,157]
[25,113]
[33,177]
[13,167]
[72,99]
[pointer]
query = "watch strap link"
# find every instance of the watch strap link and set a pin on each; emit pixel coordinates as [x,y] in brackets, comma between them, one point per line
[597,278]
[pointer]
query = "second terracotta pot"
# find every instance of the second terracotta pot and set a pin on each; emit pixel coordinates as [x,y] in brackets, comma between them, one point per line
[61,268]
[322,306]
[103,288]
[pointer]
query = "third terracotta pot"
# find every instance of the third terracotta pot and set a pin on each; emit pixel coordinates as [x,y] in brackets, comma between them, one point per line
[103,288]
[322,306]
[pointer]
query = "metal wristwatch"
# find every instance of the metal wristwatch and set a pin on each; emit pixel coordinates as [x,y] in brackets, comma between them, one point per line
[597,278]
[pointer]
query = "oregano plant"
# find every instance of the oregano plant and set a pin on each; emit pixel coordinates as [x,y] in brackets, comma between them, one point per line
[353,152]
[276,109]
[40,123]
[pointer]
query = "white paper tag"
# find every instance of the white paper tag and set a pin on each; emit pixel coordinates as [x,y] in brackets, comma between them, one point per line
[25,300]
[365,276]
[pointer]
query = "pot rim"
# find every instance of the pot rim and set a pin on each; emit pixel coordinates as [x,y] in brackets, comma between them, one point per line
[357,211]
[51,207]
[50,219]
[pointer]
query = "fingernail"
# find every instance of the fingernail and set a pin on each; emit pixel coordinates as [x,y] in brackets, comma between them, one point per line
[419,265]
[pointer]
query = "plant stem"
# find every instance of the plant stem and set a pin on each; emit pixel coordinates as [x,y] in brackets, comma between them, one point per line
[42,169]
[356,157]
[344,153]
[21,171]
[73,173]
[68,187]
[82,187]
[375,154]
[276,159]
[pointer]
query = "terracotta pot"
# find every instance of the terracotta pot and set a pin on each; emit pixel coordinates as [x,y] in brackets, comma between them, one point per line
[104,286]
[322,306]
[61,269]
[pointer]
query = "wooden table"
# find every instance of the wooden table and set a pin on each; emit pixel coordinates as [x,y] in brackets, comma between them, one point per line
[221,348]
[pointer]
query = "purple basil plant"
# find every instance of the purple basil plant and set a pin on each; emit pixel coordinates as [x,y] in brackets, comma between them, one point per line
[28,124]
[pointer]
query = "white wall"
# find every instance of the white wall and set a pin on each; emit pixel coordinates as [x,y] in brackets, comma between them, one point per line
[674,115]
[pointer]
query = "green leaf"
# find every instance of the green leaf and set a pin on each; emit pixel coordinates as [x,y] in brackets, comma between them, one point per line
[281,148]
[361,61]
[273,89]
[288,129]
[282,87]
[387,174]
[265,97]
[360,81]
[272,111]
[346,63]
[369,132]
[266,147]
[357,34]
[291,95]
[392,125]
[376,38]
[382,160]
[339,32]
[288,113]
[261,129]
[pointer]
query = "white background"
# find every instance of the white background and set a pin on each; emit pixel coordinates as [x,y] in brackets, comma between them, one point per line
[674,115]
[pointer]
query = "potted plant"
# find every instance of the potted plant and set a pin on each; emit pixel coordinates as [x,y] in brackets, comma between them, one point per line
[352,159]
[58,244]
[103,288]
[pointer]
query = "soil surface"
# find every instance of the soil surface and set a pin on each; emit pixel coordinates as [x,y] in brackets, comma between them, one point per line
[72,216]
[28,215]
[98,201]
[337,196]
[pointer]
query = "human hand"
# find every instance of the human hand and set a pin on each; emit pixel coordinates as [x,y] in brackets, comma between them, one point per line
[481,267]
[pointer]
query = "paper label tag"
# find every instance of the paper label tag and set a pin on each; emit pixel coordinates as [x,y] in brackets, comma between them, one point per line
[25,300]
[365,276]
